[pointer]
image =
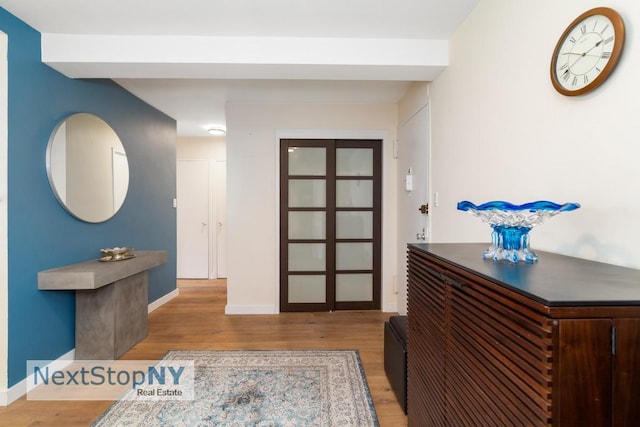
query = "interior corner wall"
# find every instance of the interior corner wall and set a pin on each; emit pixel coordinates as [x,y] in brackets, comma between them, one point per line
[253,131]
[42,235]
[500,131]
[4,282]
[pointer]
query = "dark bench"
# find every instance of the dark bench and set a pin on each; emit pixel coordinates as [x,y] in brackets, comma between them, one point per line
[395,356]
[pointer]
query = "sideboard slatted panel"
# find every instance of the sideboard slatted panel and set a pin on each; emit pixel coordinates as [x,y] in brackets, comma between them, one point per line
[425,336]
[508,360]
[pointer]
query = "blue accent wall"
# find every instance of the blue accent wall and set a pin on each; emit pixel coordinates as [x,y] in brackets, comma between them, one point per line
[42,235]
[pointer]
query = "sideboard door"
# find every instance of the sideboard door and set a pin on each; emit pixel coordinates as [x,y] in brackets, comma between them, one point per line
[626,373]
[583,381]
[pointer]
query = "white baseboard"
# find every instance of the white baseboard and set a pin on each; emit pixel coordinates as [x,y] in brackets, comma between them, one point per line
[250,309]
[270,309]
[390,308]
[7,397]
[163,300]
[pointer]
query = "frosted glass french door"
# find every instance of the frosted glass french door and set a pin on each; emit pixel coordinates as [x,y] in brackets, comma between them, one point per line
[330,225]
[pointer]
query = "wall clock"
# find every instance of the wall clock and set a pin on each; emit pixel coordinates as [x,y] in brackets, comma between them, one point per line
[587,51]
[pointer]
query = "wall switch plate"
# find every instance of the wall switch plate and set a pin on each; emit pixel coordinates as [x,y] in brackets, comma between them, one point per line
[408,182]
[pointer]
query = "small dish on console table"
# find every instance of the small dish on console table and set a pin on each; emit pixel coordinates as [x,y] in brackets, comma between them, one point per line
[116,254]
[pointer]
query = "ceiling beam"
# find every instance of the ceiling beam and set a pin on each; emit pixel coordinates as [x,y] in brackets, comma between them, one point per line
[108,56]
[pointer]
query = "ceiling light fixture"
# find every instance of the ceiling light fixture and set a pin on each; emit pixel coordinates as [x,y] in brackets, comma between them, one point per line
[218,131]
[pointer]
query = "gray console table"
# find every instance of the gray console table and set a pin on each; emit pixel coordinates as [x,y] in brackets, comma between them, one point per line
[111,302]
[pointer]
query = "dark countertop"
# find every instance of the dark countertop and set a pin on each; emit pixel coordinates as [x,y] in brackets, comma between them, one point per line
[555,280]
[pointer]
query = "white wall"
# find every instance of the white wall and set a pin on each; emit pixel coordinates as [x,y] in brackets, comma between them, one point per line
[198,147]
[501,132]
[253,137]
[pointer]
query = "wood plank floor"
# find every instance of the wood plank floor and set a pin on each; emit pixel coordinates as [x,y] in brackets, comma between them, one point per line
[195,320]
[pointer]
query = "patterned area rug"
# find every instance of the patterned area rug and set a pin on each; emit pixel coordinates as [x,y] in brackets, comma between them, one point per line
[260,388]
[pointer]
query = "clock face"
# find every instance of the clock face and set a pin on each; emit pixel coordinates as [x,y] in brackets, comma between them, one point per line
[587,52]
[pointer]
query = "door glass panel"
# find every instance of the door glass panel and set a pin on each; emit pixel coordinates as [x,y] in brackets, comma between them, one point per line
[307,161]
[307,257]
[354,162]
[307,225]
[354,225]
[307,289]
[354,287]
[354,256]
[307,193]
[352,193]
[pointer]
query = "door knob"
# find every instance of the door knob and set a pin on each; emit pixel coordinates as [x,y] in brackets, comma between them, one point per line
[421,236]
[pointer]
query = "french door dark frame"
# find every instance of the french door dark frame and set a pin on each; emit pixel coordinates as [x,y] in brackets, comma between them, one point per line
[330,240]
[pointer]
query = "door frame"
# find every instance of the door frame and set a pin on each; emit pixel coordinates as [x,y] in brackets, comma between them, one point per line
[388,263]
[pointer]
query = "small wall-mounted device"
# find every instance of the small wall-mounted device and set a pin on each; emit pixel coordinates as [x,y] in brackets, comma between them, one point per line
[408,180]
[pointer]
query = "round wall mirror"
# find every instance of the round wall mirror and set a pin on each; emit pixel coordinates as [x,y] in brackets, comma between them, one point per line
[87,167]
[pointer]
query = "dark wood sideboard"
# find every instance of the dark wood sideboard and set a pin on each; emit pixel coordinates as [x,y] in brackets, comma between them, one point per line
[499,344]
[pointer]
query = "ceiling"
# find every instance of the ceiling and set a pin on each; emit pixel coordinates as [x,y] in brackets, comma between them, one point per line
[189,58]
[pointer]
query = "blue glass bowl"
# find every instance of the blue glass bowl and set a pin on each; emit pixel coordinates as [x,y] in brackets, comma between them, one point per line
[511,225]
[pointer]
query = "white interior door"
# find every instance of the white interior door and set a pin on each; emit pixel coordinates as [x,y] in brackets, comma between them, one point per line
[413,160]
[220,202]
[192,179]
